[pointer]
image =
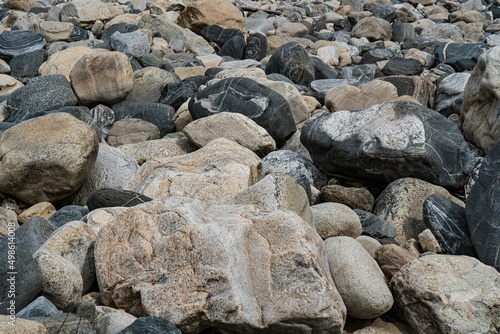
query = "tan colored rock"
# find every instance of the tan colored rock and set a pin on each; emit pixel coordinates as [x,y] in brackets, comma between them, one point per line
[202,266]
[128,18]
[8,84]
[481,107]
[251,73]
[355,198]
[62,62]
[448,294]
[391,258]
[89,11]
[369,244]
[467,16]
[131,131]
[379,326]
[24,5]
[293,29]
[8,221]
[158,149]
[148,84]
[232,126]
[275,41]
[401,204]
[46,158]
[335,219]
[361,97]
[186,72]
[42,209]
[182,116]
[104,77]
[54,31]
[429,242]
[329,55]
[20,326]
[202,13]
[372,28]
[212,174]
[209,61]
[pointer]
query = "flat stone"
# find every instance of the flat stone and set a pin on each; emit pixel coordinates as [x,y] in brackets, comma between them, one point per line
[355,198]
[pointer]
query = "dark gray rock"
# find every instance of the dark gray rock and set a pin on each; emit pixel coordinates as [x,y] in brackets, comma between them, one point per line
[385,12]
[66,323]
[153,60]
[67,214]
[461,56]
[106,34]
[27,64]
[28,280]
[373,56]
[158,114]
[415,86]
[448,224]
[176,93]
[390,141]
[104,116]
[402,66]
[17,42]
[322,70]
[107,197]
[78,34]
[257,46]
[4,126]
[151,325]
[374,226]
[245,96]
[47,92]
[450,93]
[401,31]
[361,73]
[133,44]
[40,307]
[293,61]
[234,48]
[219,35]
[483,210]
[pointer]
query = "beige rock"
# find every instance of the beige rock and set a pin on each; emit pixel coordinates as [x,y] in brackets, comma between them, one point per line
[186,72]
[241,72]
[8,221]
[89,11]
[99,218]
[62,62]
[202,266]
[159,45]
[21,326]
[129,18]
[148,84]
[293,29]
[46,158]
[329,55]
[212,174]
[480,108]
[334,219]
[379,326]
[401,204]
[448,294]
[158,149]
[131,131]
[361,97]
[358,278]
[209,61]
[202,13]
[369,244]
[114,322]
[311,103]
[275,41]
[232,126]
[373,28]
[355,198]
[24,5]
[55,31]
[104,77]
[182,116]
[391,258]
[468,16]
[8,84]
[42,209]
[428,242]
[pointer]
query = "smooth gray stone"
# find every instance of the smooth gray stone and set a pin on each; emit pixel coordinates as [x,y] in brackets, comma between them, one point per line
[67,214]
[40,307]
[374,226]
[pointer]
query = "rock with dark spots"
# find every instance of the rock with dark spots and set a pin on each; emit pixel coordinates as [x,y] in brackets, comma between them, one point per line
[390,141]
[151,325]
[451,53]
[40,307]
[27,64]
[257,47]
[219,35]
[322,70]
[448,224]
[293,61]
[402,66]
[483,210]
[374,226]
[158,114]
[17,42]
[67,214]
[175,94]
[107,197]
[245,96]
[234,48]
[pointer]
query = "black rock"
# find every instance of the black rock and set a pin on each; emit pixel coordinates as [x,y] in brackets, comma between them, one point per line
[293,61]
[152,59]
[219,35]
[17,42]
[107,197]
[78,34]
[176,93]
[4,126]
[159,114]
[401,31]
[191,63]
[28,280]
[483,210]
[373,56]
[403,66]
[40,307]
[448,224]
[136,65]
[390,141]
[198,80]
[234,48]
[212,72]
[495,10]
[245,96]
[151,325]
[47,92]
[461,56]
[326,36]
[374,226]
[361,73]
[67,214]
[322,70]
[257,47]
[385,12]
[422,44]
[105,35]
[27,64]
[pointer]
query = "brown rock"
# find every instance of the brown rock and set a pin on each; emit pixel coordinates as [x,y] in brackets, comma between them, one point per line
[415,86]
[335,219]
[62,62]
[8,84]
[373,28]
[148,84]
[428,242]
[54,31]
[21,326]
[355,198]
[131,131]
[24,5]
[467,16]
[293,29]
[392,257]
[202,13]
[158,149]
[42,209]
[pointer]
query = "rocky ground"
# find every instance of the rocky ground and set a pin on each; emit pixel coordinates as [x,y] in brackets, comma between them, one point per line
[248,166]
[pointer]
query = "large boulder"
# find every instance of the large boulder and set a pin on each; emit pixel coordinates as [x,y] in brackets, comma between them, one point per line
[390,141]
[216,267]
[292,61]
[46,158]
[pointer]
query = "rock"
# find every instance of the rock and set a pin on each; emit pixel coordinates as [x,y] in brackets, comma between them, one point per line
[361,97]
[25,5]
[335,219]
[8,84]
[401,204]
[158,149]
[212,174]
[219,35]
[482,210]
[461,56]
[257,47]
[242,261]
[369,244]
[203,13]
[17,42]
[444,159]
[450,93]
[402,66]
[232,126]
[428,242]
[175,94]
[21,326]
[375,226]
[479,109]
[103,77]
[66,323]
[67,214]
[442,293]
[292,61]
[8,221]
[131,131]
[324,85]
[54,31]
[62,62]
[117,322]
[373,29]
[42,209]
[261,104]
[66,150]
[355,198]
[66,261]
[133,44]
[28,238]
[385,12]
[416,86]
[40,307]
[322,71]
[358,278]
[108,197]
[329,55]
[112,169]
[443,32]
[448,224]
[86,12]
[151,325]
[234,48]
[27,64]
[48,92]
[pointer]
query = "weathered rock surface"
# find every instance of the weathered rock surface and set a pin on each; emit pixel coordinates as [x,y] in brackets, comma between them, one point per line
[203,13]
[335,219]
